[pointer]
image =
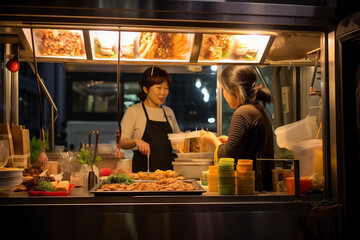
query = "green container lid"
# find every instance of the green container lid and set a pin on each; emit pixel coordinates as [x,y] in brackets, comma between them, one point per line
[226,160]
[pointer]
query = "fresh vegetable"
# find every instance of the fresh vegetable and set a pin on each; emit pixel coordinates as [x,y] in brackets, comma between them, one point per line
[105,172]
[120,178]
[225,54]
[85,157]
[45,185]
[36,146]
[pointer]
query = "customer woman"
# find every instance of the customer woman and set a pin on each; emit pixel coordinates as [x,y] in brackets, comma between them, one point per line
[250,131]
[145,125]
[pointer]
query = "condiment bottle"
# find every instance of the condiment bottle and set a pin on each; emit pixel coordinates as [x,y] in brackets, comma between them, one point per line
[213,179]
[226,176]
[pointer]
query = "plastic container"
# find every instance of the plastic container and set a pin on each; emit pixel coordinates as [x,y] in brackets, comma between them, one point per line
[213,179]
[245,190]
[177,141]
[249,174]
[244,165]
[290,134]
[204,178]
[124,165]
[310,155]
[245,178]
[226,176]
[190,169]
[226,190]
[305,185]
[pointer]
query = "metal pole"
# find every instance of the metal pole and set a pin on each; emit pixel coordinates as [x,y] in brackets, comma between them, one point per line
[52,145]
[219,102]
[7,87]
[15,98]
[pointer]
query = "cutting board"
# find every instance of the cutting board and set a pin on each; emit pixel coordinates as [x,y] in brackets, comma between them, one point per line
[21,139]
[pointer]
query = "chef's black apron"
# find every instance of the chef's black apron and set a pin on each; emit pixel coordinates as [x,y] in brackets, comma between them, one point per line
[155,135]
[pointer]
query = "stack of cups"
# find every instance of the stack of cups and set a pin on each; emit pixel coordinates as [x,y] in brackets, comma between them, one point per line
[226,176]
[213,179]
[245,177]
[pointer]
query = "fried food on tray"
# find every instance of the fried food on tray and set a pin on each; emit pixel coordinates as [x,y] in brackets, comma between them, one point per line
[158,174]
[159,185]
[60,43]
[215,46]
[163,45]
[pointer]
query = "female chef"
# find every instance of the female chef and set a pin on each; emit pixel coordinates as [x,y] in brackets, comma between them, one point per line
[145,125]
[250,131]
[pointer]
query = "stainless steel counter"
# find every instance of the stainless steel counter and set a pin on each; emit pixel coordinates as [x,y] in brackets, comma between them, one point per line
[82,215]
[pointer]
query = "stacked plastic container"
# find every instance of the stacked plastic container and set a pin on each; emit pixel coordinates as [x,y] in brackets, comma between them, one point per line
[245,177]
[226,176]
[213,179]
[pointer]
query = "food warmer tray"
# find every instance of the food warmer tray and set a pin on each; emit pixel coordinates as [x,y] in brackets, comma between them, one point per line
[137,193]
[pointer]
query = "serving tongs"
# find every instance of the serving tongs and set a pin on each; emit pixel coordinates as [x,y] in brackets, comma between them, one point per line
[92,180]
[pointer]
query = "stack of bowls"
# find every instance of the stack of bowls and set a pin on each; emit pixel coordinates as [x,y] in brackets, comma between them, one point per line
[226,176]
[10,177]
[191,165]
[245,177]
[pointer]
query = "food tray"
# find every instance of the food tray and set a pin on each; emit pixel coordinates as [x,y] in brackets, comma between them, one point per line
[136,193]
[44,193]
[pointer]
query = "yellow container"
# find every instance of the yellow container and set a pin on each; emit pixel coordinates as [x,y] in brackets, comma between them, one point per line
[213,179]
[243,181]
[244,165]
[245,190]
[245,174]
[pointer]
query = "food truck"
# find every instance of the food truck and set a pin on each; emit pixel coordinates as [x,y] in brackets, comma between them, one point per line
[300,52]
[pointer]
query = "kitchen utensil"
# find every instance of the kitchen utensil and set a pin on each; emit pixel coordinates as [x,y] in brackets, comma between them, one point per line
[148,163]
[92,180]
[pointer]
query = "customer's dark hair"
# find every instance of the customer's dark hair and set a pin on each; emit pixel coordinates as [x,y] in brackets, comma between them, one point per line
[153,75]
[242,78]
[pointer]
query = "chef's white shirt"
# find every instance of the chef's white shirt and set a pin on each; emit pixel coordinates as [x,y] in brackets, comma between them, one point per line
[133,122]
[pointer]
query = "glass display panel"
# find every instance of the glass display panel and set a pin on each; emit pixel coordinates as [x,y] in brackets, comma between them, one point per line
[104,44]
[142,46]
[229,48]
[59,43]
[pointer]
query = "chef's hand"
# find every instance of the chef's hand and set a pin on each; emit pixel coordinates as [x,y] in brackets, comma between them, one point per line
[143,146]
[223,138]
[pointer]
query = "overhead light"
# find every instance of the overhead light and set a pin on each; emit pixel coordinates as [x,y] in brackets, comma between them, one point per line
[211,120]
[213,68]
[198,83]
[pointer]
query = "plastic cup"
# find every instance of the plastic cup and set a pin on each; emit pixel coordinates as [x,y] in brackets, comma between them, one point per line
[305,184]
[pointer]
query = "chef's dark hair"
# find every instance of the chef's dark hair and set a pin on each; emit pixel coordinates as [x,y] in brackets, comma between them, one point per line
[242,78]
[151,76]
